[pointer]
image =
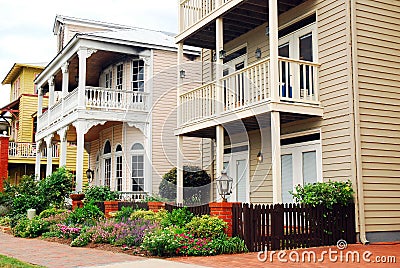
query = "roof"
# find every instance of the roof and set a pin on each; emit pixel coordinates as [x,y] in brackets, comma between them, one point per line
[16,69]
[11,107]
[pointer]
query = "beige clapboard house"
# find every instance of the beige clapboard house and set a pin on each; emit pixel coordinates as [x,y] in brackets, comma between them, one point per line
[295,92]
[111,93]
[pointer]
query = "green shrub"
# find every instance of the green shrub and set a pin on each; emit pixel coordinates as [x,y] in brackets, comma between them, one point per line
[100,194]
[88,214]
[4,210]
[82,240]
[206,227]
[193,180]
[124,214]
[23,202]
[51,212]
[149,215]
[228,245]
[178,218]
[30,228]
[325,193]
[161,242]
[5,221]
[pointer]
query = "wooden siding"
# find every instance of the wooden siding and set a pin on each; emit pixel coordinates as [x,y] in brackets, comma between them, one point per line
[27,107]
[378,43]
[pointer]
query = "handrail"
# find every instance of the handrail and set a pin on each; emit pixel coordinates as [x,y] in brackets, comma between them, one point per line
[198,88]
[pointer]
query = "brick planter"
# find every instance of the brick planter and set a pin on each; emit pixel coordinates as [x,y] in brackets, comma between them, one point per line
[110,206]
[156,206]
[3,160]
[223,210]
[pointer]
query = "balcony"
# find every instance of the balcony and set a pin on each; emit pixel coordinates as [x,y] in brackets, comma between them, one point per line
[247,92]
[27,150]
[104,101]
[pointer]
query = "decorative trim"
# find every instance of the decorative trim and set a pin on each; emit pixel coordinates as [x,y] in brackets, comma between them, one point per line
[51,81]
[87,124]
[63,133]
[142,126]
[90,51]
[64,67]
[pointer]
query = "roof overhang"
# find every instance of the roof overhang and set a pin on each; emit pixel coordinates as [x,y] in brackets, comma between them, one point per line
[16,70]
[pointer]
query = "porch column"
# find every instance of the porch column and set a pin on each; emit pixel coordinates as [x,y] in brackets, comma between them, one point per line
[83,55]
[273,49]
[40,103]
[51,98]
[65,79]
[38,158]
[179,172]
[63,146]
[80,143]
[49,164]
[276,157]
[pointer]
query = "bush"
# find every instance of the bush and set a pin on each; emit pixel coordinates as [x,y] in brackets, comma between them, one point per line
[68,231]
[4,210]
[178,218]
[324,193]
[132,232]
[206,227]
[82,240]
[5,221]
[30,228]
[191,246]
[88,214]
[193,180]
[124,214]
[100,194]
[228,245]
[150,215]
[161,242]
[51,212]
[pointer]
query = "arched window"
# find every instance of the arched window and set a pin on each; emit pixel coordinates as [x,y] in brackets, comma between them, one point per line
[118,167]
[107,163]
[137,152]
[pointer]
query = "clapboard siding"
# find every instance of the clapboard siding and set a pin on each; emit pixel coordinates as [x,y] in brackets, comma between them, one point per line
[378,43]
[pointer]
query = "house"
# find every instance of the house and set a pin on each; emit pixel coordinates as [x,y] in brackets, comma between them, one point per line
[112,94]
[20,115]
[299,91]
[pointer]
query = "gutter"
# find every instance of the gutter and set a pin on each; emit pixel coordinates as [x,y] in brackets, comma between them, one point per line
[356,124]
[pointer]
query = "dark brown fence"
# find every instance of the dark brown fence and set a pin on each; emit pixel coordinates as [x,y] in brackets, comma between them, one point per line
[292,225]
[134,205]
[197,211]
[101,206]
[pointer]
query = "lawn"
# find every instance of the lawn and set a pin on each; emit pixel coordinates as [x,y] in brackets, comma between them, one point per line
[7,262]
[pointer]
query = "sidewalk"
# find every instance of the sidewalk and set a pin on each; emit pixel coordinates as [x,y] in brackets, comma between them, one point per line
[50,254]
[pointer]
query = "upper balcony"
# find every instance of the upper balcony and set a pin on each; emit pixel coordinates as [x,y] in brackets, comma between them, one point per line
[247,93]
[26,152]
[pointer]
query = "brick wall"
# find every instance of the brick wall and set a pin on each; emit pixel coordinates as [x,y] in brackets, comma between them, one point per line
[3,161]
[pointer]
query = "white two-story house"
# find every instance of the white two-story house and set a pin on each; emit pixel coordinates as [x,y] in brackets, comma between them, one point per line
[111,93]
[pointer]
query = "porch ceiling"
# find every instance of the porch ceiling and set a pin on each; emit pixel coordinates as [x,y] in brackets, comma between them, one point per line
[247,124]
[238,21]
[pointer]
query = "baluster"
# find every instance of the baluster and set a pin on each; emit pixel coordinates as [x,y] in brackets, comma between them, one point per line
[310,82]
[265,87]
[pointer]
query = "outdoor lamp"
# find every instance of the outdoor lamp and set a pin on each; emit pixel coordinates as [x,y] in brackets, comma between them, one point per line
[224,185]
[182,74]
[222,54]
[260,157]
[258,53]
[90,175]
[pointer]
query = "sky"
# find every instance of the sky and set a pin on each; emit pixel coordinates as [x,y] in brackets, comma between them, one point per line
[26,26]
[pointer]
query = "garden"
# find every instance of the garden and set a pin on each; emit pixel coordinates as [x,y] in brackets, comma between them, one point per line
[135,231]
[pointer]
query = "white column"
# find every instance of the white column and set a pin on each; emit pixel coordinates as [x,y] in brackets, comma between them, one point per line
[276,157]
[80,143]
[179,171]
[273,49]
[49,164]
[40,102]
[65,79]
[179,85]
[83,55]
[51,98]
[38,157]
[63,146]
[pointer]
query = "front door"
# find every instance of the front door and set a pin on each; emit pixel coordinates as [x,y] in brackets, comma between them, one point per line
[236,166]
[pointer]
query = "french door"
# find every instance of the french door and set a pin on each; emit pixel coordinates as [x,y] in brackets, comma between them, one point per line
[236,166]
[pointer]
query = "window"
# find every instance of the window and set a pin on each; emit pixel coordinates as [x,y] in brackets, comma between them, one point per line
[137,151]
[107,163]
[108,79]
[120,76]
[138,75]
[16,89]
[118,167]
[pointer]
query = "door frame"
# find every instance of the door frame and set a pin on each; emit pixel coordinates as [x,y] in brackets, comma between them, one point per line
[232,158]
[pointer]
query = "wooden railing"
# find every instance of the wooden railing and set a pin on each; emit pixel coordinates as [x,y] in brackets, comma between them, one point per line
[249,86]
[193,11]
[28,150]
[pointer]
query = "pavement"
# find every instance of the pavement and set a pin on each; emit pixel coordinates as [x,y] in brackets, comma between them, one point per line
[51,254]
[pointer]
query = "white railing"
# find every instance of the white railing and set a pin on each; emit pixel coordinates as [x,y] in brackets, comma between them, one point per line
[249,86]
[198,103]
[109,99]
[193,11]
[28,150]
[132,196]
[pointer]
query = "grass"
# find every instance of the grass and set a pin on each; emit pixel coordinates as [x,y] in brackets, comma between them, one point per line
[7,262]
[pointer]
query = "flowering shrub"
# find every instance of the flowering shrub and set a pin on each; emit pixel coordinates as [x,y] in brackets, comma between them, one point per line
[105,231]
[132,232]
[161,242]
[30,228]
[88,214]
[191,246]
[82,240]
[68,231]
[57,218]
[149,215]
[51,212]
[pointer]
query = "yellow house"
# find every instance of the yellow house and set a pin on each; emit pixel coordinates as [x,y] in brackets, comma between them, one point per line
[21,113]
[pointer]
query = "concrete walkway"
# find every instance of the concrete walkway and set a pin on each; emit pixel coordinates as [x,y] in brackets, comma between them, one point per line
[50,254]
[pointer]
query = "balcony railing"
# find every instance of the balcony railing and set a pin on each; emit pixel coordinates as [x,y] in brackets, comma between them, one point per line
[96,98]
[28,150]
[193,11]
[250,86]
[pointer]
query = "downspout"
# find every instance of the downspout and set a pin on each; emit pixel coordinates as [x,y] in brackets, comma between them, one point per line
[356,124]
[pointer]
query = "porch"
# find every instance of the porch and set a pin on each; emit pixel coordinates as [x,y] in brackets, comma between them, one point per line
[27,150]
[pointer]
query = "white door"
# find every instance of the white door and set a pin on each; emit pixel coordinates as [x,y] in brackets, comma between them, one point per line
[301,164]
[236,165]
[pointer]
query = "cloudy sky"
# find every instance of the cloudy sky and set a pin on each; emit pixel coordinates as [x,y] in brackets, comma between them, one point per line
[26,26]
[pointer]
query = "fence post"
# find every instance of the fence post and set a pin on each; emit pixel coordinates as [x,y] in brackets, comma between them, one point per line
[223,210]
[277,226]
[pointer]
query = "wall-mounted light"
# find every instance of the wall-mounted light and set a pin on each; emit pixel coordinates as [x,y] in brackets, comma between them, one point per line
[267,30]
[182,74]
[222,54]
[224,185]
[90,175]
[260,157]
[258,53]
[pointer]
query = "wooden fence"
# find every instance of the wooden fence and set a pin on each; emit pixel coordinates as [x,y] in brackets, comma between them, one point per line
[292,225]
[197,211]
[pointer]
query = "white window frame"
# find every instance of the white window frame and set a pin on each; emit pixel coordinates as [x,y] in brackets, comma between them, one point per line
[108,78]
[133,67]
[107,157]
[140,152]
[119,81]
[118,157]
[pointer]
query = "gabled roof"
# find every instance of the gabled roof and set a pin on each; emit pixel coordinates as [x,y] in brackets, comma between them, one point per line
[16,69]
